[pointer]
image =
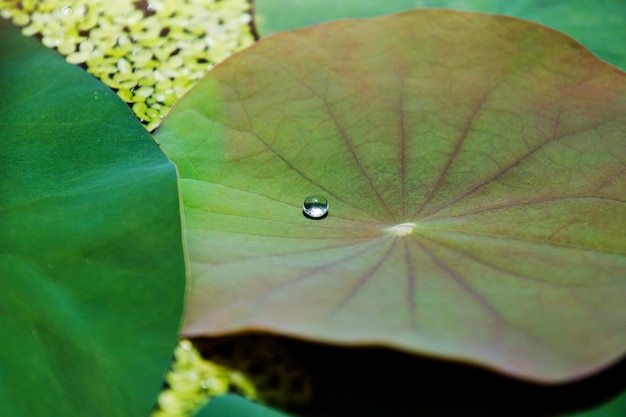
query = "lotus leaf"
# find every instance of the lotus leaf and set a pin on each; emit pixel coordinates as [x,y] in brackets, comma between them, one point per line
[475,168]
[91,260]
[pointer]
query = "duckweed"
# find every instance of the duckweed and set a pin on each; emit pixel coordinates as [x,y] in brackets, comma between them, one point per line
[193,380]
[149,52]
[259,367]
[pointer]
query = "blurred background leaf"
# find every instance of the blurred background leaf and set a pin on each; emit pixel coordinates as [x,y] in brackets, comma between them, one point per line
[600,25]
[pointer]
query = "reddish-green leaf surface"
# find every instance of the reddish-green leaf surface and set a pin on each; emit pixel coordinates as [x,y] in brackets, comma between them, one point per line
[476,172]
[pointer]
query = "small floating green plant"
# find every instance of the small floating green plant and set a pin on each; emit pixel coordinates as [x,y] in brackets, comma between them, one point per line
[149,52]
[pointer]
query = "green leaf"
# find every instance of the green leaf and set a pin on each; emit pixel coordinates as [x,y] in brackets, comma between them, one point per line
[597,24]
[236,406]
[613,408]
[475,167]
[91,256]
[273,16]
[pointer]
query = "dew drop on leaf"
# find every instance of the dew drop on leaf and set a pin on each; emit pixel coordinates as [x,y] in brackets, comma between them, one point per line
[315,207]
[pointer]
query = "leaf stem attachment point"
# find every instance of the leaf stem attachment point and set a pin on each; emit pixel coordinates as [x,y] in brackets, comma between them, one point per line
[401,229]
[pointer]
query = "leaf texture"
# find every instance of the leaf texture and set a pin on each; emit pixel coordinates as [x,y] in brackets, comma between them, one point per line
[475,167]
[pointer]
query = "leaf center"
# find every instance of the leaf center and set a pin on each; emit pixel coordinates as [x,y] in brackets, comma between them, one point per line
[401,229]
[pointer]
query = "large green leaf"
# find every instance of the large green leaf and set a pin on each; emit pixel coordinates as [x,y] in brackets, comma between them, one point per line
[475,170]
[598,24]
[91,256]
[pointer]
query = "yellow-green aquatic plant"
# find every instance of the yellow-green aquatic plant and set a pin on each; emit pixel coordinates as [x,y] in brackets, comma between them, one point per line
[194,380]
[254,366]
[150,52]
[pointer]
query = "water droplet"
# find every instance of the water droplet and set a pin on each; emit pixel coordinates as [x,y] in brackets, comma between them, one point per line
[66,10]
[315,207]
